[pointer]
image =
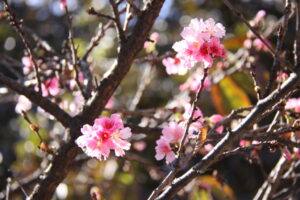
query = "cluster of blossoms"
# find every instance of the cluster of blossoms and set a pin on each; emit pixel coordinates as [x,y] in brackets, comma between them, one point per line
[200,44]
[106,134]
[252,41]
[168,143]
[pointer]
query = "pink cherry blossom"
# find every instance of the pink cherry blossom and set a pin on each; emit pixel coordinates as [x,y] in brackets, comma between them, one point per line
[106,134]
[215,119]
[293,104]
[173,133]
[201,43]
[244,143]
[216,49]
[23,104]
[214,29]
[163,149]
[286,153]
[260,15]
[63,4]
[259,45]
[50,86]
[150,45]
[28,64]
[193,82]
[174,66]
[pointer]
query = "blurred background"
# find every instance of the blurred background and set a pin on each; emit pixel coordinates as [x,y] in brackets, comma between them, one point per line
[118,178]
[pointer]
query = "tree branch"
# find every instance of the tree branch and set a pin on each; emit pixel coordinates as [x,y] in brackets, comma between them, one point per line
[254,116]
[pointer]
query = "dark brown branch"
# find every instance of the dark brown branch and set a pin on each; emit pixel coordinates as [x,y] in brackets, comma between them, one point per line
[127,54]
[121,32]
[74,53]
[17,24]
[61,163]
[36,98]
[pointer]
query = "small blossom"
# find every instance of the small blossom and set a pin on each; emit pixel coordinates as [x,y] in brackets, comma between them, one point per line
[244,143]
[140,145]
[50,86]
[150,46]
[286,153]
[23,104]
[260,15]
[63,4]
[293,104]
[215,119]
[193,82]
[259,45]
[173,132]
[106,134]
[28,64]
[169,141]
[163,149]
[174,66]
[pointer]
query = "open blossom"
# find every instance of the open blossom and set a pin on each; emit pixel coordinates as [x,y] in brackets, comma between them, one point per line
[106,134]
[169,141]
[50,87]
[174,66]
[163,149]
[173,132]
[293,103]
[23,104]
[201,43]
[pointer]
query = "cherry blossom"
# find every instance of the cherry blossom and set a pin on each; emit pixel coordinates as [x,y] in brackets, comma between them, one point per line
[169,141]
[28,64]
[293,103]
[63,4]
[215,119]
[150,45]
[106,134]
[201,43]
[50,87]
[174,66]
[173,132]
[23,104]
[163,149]
[193,83]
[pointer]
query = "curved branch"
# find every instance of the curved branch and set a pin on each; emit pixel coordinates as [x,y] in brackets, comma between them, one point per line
[38,99]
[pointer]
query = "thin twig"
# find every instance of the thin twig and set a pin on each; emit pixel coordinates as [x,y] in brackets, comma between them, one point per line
[92,11]
[17,24]
[145,81]
[73,52]
[96,39]
[281,36]
[297,40]
[117,21]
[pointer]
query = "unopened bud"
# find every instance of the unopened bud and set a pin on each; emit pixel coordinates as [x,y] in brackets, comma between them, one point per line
[44,147]
[34,127]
